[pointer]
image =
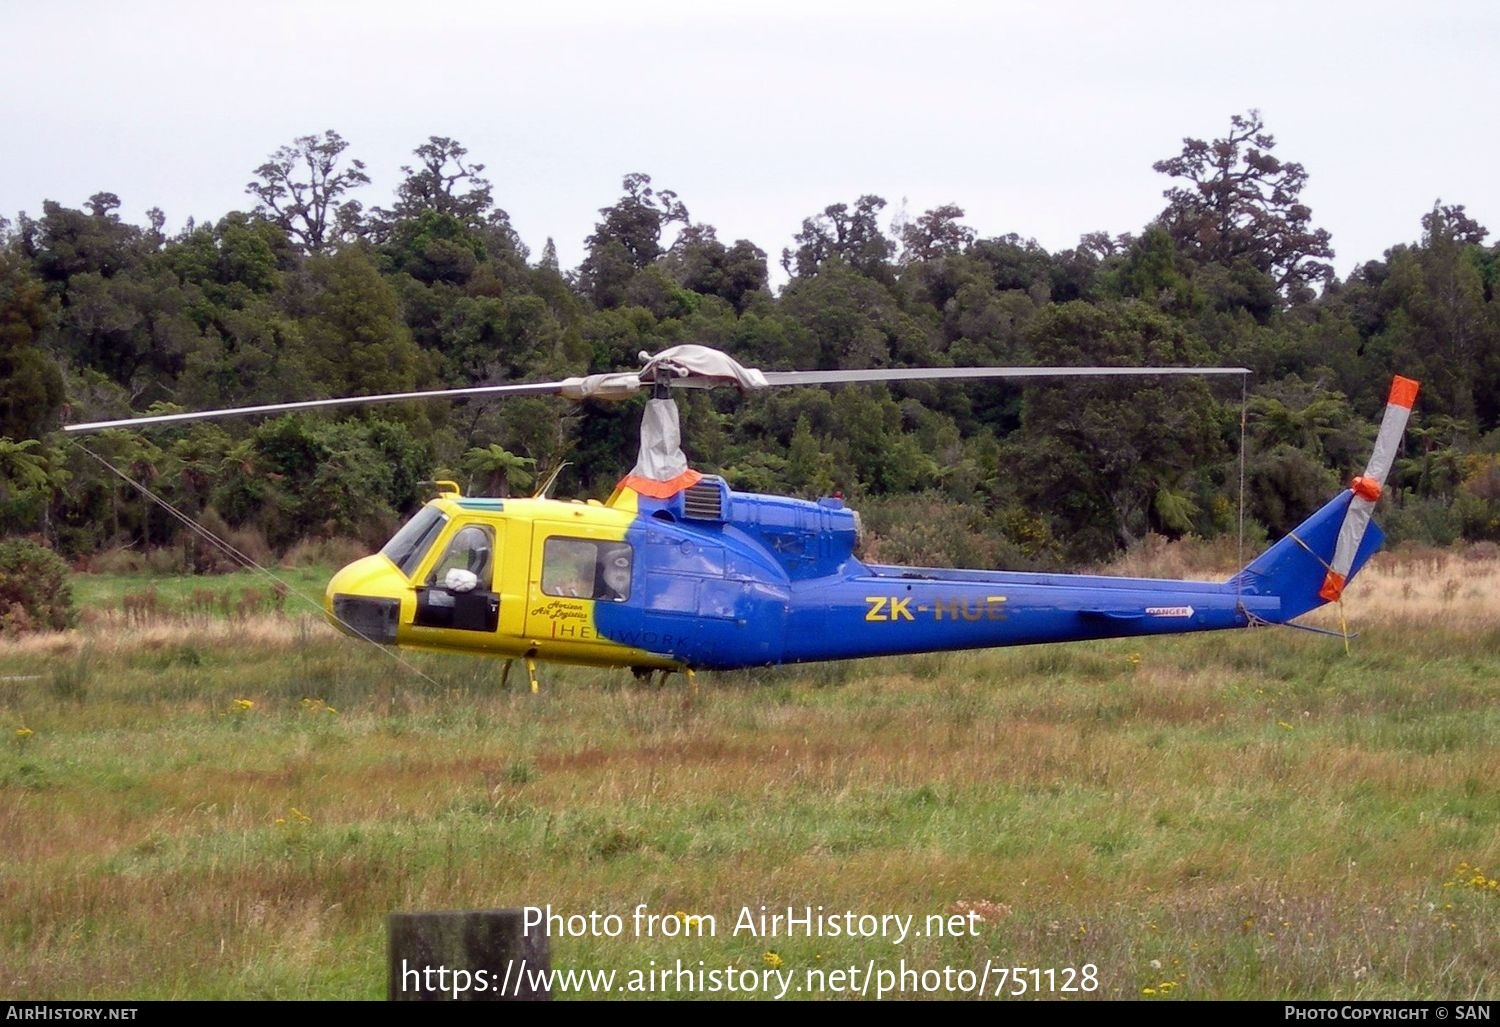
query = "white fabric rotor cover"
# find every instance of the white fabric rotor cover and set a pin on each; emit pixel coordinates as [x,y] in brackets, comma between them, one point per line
[704,362]
[661,457]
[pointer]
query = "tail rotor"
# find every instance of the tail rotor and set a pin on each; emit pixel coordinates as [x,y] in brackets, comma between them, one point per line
[1367,487]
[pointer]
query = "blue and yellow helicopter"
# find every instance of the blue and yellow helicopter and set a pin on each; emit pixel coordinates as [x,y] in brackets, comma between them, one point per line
[678,572]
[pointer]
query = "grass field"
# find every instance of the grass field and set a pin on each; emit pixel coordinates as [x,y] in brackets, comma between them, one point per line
[213,799]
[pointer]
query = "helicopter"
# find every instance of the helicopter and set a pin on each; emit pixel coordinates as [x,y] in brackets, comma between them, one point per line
[676,571]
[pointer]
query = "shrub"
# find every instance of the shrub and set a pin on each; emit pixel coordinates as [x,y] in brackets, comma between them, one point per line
[34,592]
[112,561]
[333,552]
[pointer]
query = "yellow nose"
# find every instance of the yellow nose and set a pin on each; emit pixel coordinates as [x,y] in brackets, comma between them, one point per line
[364,599]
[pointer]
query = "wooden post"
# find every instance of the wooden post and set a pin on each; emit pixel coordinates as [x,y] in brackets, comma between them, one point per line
[482,955]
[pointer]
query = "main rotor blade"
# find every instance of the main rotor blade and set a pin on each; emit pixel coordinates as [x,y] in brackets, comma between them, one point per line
[907,374]
[529,389]
[623,385]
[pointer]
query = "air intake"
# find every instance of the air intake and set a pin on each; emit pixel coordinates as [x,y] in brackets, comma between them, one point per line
[704,501]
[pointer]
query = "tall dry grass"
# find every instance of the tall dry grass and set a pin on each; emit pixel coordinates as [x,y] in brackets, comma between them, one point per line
[227,808]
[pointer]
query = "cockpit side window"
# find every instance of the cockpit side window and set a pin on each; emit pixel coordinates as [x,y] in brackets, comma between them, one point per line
[585,569]
[472,550]
[407,547]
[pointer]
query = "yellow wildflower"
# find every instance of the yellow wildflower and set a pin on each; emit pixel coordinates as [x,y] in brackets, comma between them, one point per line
[773,960]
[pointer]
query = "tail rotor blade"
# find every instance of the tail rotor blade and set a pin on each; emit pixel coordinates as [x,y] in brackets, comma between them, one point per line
[1368,487]
[1392,428]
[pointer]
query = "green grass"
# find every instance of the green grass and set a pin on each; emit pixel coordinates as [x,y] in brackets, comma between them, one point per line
[1241,816]
[183,595]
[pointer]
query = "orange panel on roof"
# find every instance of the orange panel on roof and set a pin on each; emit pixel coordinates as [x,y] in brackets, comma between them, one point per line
[661,489]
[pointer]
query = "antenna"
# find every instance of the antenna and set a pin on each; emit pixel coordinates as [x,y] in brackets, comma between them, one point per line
[546,487]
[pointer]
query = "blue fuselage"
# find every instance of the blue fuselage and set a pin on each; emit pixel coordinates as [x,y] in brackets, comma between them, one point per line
[774,580]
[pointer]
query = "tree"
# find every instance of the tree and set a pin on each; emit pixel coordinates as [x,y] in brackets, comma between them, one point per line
[30,477]
[355,340]
[1306,417]
[853,237]
[120,306]
[233,261]
[1428,310]
[809,465]
[1110,459]
[190,465]
[1242,203]
[34,590]
[1452,222]
[31,387]
[549,256]
[850,321]
[67,242]
[23,468]
[1151,268]
[434,247]
[628,238]
[935,234]
[300,187]
[1103,245]
[500,468]
[700,262]
[443,183]
[97,497]
[1441,290]
[305,476]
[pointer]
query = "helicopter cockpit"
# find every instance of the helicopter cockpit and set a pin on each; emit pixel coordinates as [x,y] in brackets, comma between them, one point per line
[458,591]
[468,561]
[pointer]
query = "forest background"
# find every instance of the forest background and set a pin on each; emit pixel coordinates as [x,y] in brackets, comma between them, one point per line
[308,293]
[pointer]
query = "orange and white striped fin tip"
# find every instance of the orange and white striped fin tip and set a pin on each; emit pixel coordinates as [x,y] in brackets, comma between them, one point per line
[1403,392]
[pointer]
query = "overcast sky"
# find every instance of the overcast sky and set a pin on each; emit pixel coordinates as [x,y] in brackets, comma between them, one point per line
[1041,118]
